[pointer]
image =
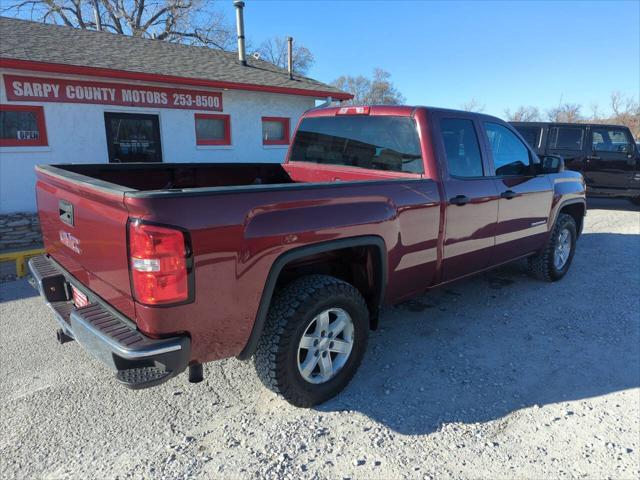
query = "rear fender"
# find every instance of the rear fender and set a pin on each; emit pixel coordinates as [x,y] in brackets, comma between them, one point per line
[291,256]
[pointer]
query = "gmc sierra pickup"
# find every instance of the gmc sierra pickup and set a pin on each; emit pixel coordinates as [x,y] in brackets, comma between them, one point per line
[157,268]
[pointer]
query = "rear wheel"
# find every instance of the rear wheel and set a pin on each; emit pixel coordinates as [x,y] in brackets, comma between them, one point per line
[313,341]
[553,262]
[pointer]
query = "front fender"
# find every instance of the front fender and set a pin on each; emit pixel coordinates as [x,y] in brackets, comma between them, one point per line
[568,189]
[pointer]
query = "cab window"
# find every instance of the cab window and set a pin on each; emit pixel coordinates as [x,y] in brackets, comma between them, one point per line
[510,154]
[461,147]
[611,140]
[372,142]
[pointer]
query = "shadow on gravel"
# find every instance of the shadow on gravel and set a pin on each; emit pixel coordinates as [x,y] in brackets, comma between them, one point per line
[620,204]
[485,347]
[16,290]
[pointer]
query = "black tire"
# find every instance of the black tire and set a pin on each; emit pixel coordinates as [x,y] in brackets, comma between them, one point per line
[542,265]
[276,357]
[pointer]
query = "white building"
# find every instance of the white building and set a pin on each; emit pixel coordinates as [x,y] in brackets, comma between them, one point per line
[69,95]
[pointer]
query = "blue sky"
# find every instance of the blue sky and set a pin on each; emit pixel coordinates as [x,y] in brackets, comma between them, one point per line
[504,54]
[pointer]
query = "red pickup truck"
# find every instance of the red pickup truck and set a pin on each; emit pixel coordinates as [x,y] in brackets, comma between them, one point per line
[156,268]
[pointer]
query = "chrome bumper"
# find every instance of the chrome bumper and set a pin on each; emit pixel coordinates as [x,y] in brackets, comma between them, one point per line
[140,361]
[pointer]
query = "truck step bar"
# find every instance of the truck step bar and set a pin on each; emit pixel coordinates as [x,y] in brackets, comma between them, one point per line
[143,377]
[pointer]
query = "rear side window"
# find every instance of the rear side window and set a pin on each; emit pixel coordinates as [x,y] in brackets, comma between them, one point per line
[566,138]
[531,135]
[510,155]
[461,147]
[611,140]
[377,142]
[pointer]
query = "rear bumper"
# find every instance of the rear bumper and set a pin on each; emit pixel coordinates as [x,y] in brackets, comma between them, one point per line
[139,361]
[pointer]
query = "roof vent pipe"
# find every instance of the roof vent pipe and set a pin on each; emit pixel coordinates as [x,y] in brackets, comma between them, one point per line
[290,58]
[96,15]
[239,4]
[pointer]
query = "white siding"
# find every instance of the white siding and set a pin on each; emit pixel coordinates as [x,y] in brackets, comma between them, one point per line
[76,134]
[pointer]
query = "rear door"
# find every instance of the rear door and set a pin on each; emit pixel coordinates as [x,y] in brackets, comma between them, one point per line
[472,201]
[570,142]
[525,198]
[613,162]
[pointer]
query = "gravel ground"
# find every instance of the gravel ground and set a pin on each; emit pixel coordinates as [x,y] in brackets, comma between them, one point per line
[496,377]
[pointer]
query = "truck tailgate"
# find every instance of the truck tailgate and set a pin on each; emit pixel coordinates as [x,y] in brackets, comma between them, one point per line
[84,228]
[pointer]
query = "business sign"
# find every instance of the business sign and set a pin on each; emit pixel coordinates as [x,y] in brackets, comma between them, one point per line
[29,89]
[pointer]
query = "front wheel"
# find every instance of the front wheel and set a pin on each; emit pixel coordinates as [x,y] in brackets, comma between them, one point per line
[314,339]
[553,262]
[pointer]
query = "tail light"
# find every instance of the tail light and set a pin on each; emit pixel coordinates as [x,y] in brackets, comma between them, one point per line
[158,260]
[353,111]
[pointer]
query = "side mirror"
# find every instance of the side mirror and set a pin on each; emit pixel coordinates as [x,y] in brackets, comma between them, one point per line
[552,164]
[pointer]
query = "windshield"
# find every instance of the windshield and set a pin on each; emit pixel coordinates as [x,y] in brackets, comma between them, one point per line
[378,142]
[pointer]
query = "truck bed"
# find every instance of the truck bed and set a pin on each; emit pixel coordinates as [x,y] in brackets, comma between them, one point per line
[239,219]
[178,176]
[198,178]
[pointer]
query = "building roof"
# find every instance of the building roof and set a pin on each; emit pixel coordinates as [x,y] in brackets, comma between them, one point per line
[40,46]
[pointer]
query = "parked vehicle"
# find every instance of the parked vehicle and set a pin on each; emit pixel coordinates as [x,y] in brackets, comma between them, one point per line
[606,155]
[154,268]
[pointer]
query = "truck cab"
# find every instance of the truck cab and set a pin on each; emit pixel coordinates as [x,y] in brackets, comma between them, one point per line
[606,155]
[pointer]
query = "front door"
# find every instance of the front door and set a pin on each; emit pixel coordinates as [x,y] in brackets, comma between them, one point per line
[472,201]
[133,137]
[525,198]
[613,163]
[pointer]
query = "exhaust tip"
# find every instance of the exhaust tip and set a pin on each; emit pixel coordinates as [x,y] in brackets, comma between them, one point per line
[196,373]
[63,337]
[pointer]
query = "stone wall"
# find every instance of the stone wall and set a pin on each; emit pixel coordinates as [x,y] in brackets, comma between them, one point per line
[19,231]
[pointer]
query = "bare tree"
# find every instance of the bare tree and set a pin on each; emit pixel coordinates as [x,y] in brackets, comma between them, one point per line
[523,114]
[595,111]
[358,86]
[383,91]
[472,105]
[625,111]
[194,22]
[566,112]
[275,50]
[620,104]
[378,90]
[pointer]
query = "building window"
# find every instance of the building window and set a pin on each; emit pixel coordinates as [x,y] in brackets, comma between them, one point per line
[275,131]
[22,126]
[213,129]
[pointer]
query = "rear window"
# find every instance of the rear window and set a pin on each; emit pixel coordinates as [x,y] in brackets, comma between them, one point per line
[566,138]
[530,134]
[378,142]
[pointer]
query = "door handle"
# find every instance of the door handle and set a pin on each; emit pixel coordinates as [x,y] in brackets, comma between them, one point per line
[509,194]
[459,200]
[593,157]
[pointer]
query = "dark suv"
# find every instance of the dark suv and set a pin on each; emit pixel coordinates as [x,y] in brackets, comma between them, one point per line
[606,155]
